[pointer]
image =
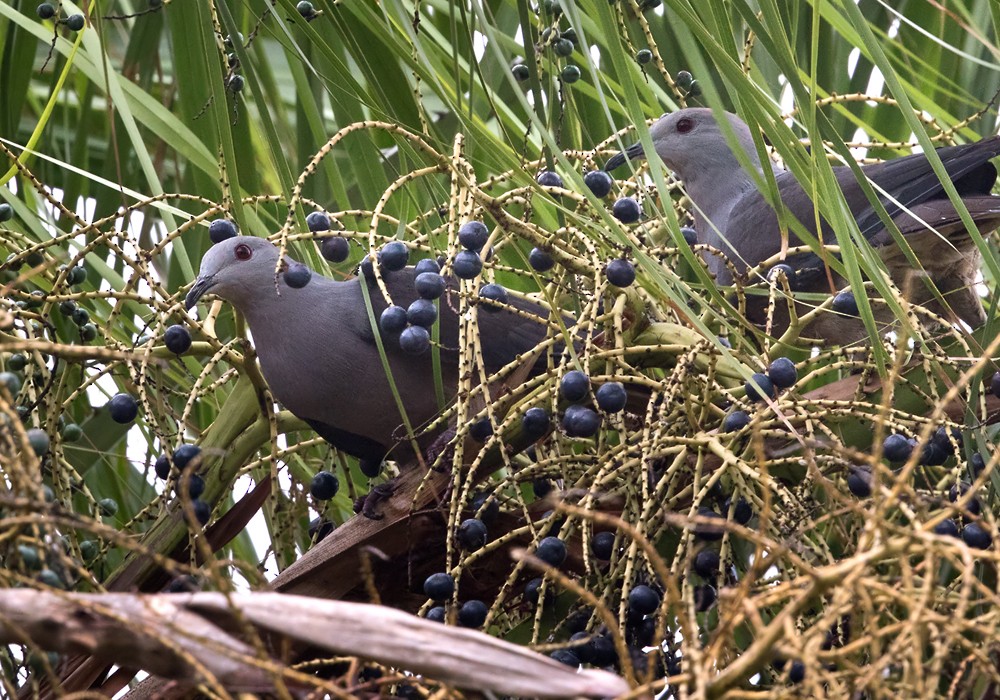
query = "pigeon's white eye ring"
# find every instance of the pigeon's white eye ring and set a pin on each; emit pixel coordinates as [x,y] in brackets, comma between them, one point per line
[684,125]
[243,252]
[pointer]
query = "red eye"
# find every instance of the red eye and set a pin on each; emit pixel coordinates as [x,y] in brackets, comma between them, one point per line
[684,125]
[243,252]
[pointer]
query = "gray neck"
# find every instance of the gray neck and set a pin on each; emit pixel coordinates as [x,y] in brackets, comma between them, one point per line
[713,198]
[714,190]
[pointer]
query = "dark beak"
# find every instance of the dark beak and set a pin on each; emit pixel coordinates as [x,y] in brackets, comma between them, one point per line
[631,153]
[201,285]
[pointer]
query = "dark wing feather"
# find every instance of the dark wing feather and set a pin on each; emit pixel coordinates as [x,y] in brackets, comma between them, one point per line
[910,180]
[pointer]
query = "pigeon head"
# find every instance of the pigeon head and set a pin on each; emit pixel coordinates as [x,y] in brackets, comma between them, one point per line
[235,269]
[690,141]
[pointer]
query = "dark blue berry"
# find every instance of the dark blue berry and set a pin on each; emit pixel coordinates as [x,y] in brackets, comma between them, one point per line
[123,408]
[195,486]
[743,511]
[532,589]
[958,491]
[366,268]
[737,420]
[184,454]
[570,74]
[521,72]
[782,373]
[394,256]
[392,320]
[415,340]
[11,382]
[574,386]
[759,387]
[221,229]
[78,275]
[436,614]
[75,22]
[704,598]
[599,183]
[845,303]
[472,614]
[540,261]
[297,275]
[495,293]
[706,563]
[995,385]
[439,587]
[563,48]
[602,651]
[335,249]
[943,439]
[39,441]
[541,487]
[422,312]
[775,274]
[467,264]
[319,528]
[324,486]
[472,534]
[933,455]
[426,265]
[690,235]
[177,339]
[611,397]
[947,528]
[481,430]
[535,422]
[797,672]
[626,210]
[897,448]
[580,421]
[602,545]
[859,481]
[976,536]
[976,464]
[552,551]
[202,511]
[620,273]
[473,235]
[643,600]
[485,508]
[162,466]
[547,178]
[46,11]
[429,285]
[318,221]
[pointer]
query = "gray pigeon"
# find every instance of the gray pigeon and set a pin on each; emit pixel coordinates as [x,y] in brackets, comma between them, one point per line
[734,217]
[317,347]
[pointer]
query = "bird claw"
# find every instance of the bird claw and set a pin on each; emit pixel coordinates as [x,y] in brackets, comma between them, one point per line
[442,445]
[368,505]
